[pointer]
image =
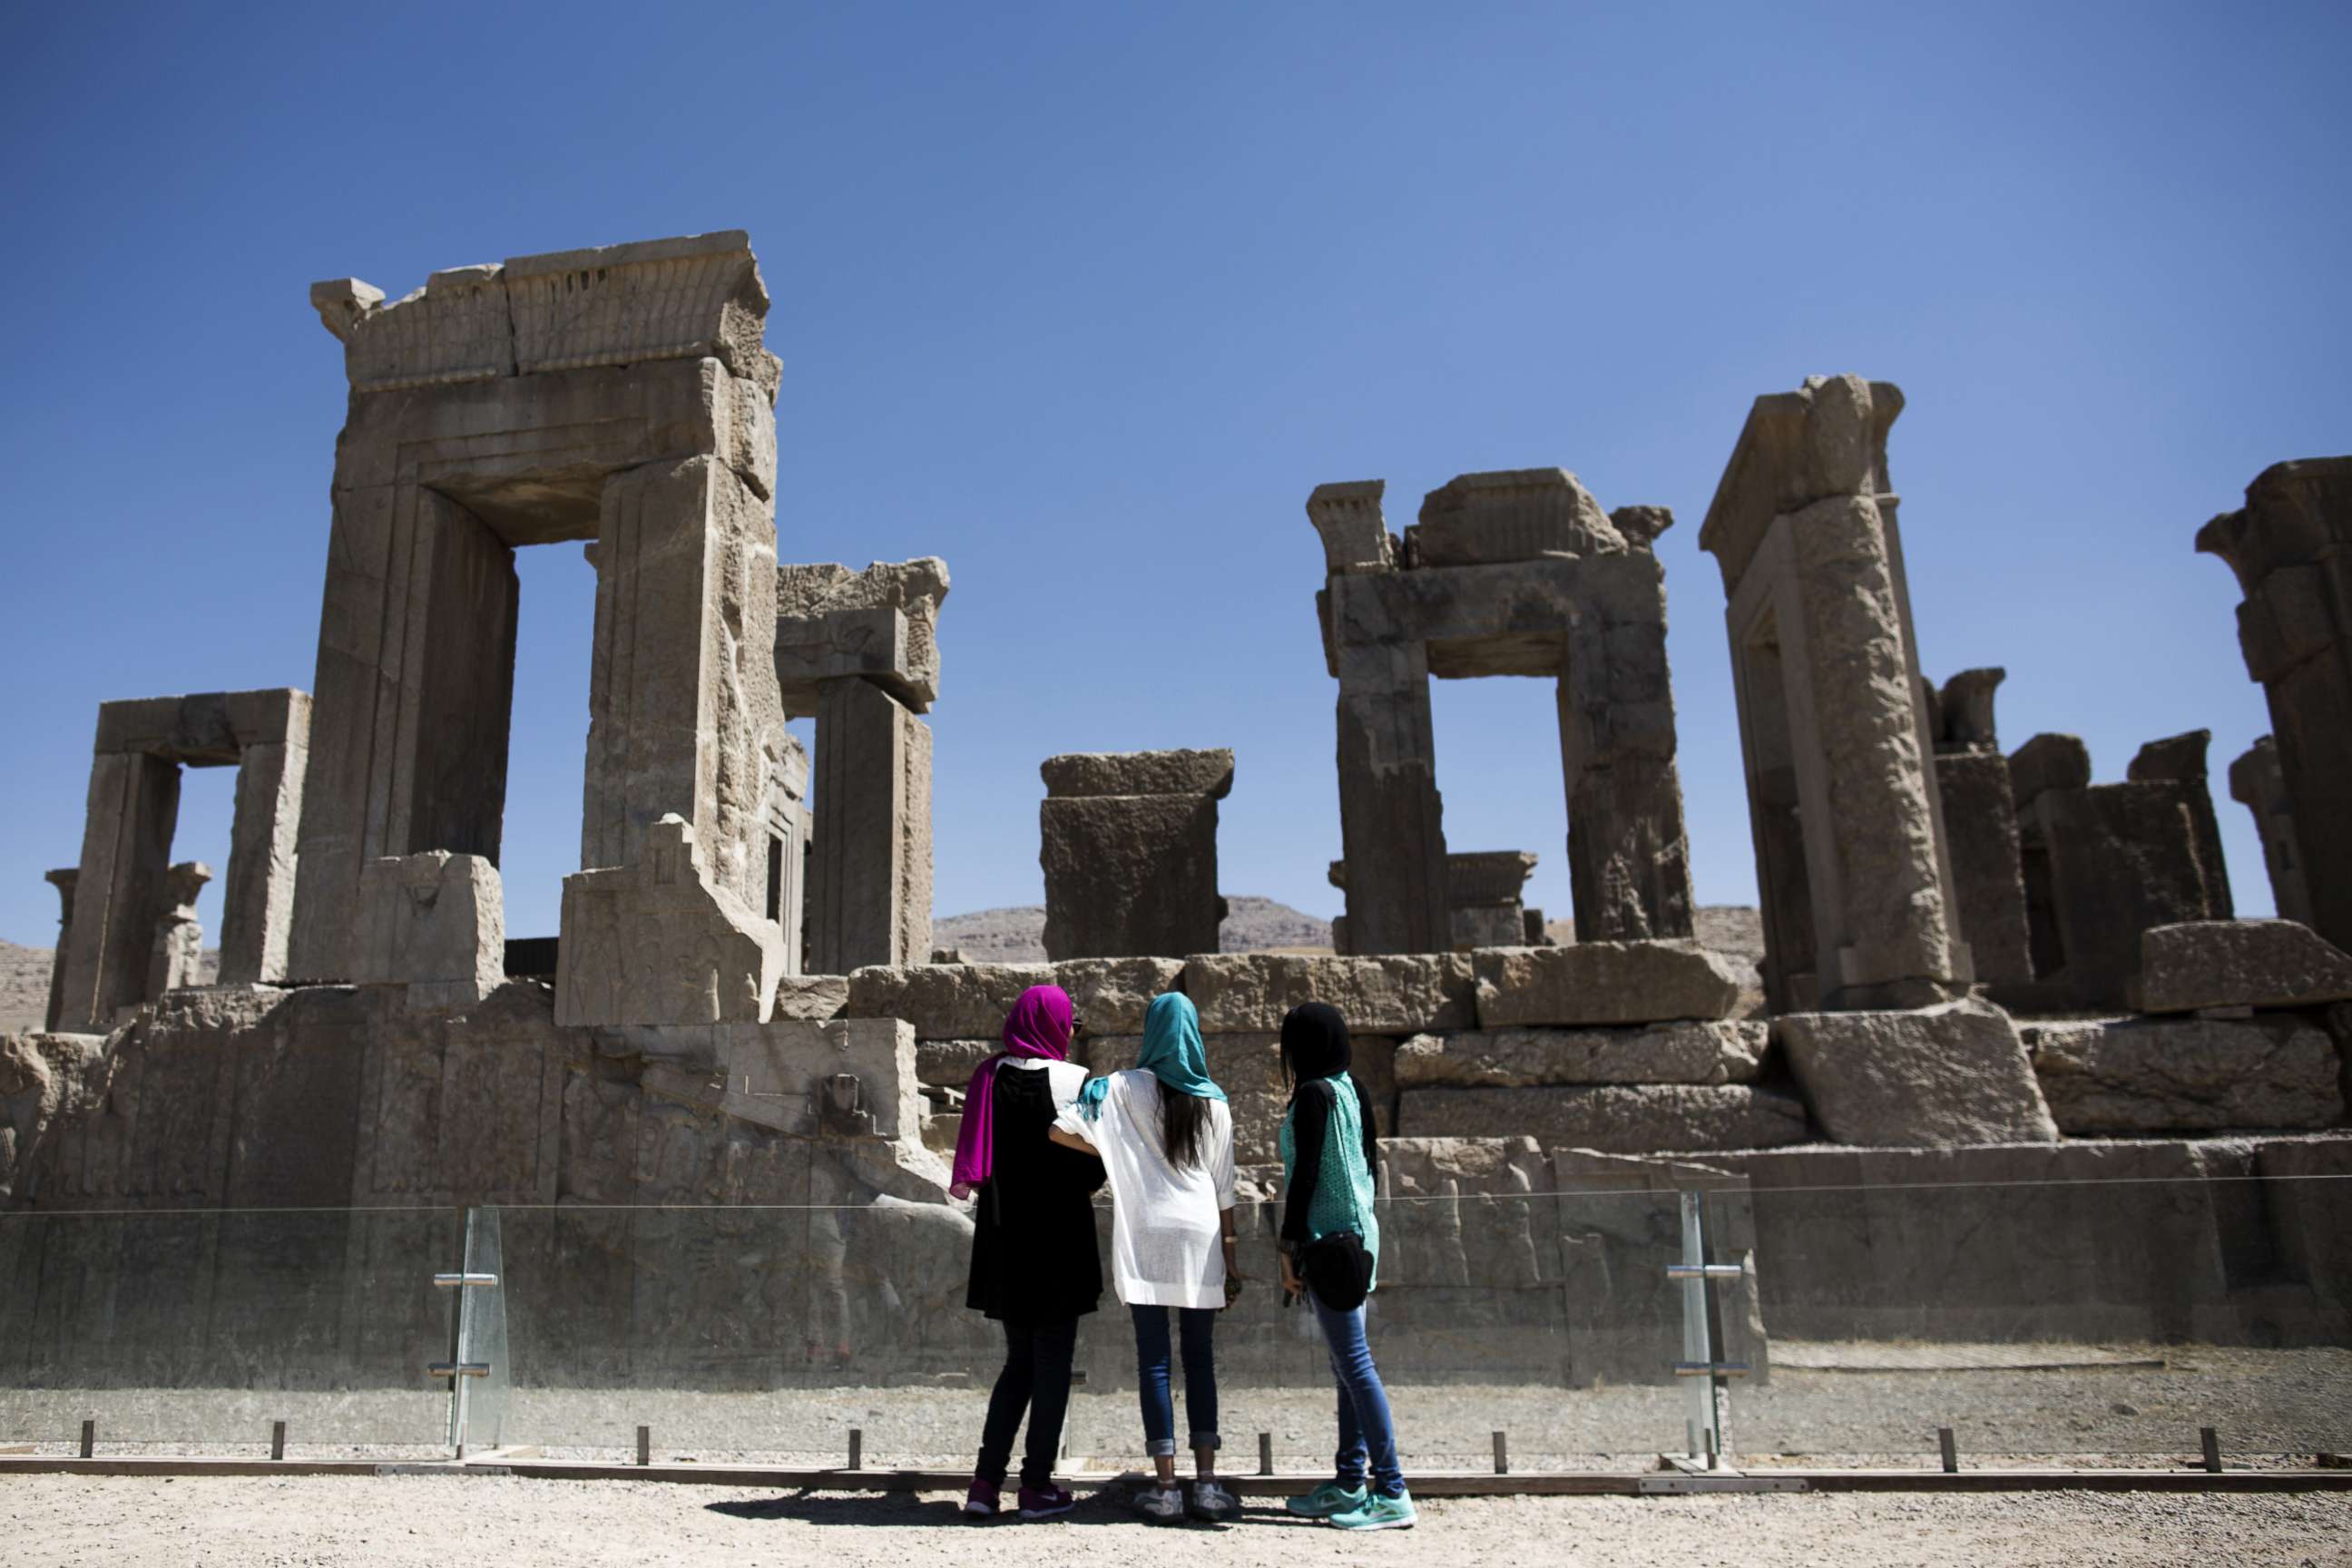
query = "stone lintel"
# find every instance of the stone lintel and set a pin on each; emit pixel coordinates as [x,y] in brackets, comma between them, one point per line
[1517,514]
[204,730]
[1346,515]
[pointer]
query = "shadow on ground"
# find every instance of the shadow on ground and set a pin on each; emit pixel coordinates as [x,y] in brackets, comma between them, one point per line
[1107,1505]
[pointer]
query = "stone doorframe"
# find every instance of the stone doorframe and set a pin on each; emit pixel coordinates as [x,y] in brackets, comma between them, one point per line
[122,889]
[620,396]
[1516,572]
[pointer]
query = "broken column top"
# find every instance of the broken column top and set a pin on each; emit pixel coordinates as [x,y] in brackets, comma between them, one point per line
[1473,877]
[1966,708]
[1827,439]
[1512,514]
[2255,778]
[1356,538]
[686,298]
[1079,774]
[2174,757]
[2295,511]
[881,624]
[2048,762]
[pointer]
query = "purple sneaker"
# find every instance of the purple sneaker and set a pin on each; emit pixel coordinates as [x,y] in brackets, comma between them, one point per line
[980,1502]
[1045,1502]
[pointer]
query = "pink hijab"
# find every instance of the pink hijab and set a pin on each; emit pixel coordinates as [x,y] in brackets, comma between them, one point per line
[1038,1025]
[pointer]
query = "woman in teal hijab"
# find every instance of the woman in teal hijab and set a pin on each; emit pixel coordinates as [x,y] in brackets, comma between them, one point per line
[1165,1135]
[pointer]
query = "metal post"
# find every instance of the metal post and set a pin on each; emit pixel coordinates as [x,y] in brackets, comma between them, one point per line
[461,1366]
[1502,1455]
[1706,1399]
[1950,1449]
[2212,1442]
[1265,1453]
[278,1439]
[857,1449]
[645,1445]
[89,1437]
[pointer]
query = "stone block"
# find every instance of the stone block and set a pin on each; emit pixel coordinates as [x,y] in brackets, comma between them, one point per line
[1940,1076]
[1521,514]
[434,922]
[870,884]
[811,996]
[2048,762]
[2238,963]
[657,943]
[1715,1052]
[1392,993]
[695,295]
[1980,830]
[1613,1119]
[2187,1075]
[881,624]
[1131,874]
[1082,774]
[784,1074]
[1605,982]
[1347,516]
[960,1002]
[1110,995]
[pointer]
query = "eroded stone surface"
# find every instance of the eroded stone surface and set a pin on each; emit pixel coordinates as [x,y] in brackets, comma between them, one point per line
[2239,964]
[434,922]
[656,942]
[1134,874]
[1940,1076]
[2187,1075]
[1080,773]
[1400,993]
[1616,1118]
[1724,1052]
[1604,982]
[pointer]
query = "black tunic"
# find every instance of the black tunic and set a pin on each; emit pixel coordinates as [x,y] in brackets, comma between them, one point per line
[1033,1254]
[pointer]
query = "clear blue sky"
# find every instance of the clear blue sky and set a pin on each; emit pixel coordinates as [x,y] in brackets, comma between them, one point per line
[1086,298]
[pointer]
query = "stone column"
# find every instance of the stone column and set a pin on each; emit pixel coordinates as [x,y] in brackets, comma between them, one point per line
[1129,846]
[1391,821]
[120,893]
[2257,783]
[62,879]
[859,650]
[1833,725]
[1486,888]
[176,958]
[1628,857]
[871,885]
[683,715]
[2291,547]
[410,705]
[2180,759]
[258,900]
[1980,828]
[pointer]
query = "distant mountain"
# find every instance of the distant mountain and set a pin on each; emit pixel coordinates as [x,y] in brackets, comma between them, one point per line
[1018,935]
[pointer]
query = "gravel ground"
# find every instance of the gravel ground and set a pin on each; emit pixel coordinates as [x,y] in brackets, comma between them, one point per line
[402,1521]
[2267,1405]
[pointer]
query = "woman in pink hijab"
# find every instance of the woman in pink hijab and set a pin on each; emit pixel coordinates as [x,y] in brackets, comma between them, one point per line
[1036,1268]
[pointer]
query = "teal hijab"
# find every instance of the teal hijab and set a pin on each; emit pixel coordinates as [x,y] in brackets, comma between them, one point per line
[1172,1053]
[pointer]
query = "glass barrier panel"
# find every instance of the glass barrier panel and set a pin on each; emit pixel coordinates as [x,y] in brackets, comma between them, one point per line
[2065,1322]
[768,1334]
[193,1332]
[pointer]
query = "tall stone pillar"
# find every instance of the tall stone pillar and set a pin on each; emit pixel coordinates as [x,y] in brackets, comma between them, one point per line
[1859,906]
[859,651]
[1627,856]
[1980,828]
[2291,547]
[1129,846]
[62,879]
[871,886]
[2257,783]
[1391,821]
[258,900]
[120,893]
[2179,761]
[176,958]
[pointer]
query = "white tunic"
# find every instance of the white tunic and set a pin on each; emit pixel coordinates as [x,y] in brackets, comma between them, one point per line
[1165,1223]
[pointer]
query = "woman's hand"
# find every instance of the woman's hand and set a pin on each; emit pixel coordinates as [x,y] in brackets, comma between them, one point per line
[1291,1284]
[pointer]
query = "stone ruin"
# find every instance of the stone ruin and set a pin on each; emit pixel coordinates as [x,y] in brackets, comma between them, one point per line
[736,1011]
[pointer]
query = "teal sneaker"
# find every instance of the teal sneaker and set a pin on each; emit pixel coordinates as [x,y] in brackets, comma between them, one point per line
[1378,1512]
[1325,1501]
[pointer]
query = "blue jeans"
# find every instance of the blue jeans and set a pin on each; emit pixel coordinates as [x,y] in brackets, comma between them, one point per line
[1367,1432]
[1036,1382]
[1198,1324]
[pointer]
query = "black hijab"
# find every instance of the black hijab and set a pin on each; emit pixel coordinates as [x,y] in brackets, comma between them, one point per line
[1314,1043]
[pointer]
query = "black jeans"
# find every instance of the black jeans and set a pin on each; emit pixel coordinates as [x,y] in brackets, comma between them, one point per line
[1036,1378]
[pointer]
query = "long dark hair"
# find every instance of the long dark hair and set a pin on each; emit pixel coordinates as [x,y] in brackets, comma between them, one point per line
[1183,1126]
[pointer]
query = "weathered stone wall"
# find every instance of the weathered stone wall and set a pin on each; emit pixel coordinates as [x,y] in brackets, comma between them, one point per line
[1129,846]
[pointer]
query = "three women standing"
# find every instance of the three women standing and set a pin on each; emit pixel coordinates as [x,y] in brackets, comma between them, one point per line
[1035,1269]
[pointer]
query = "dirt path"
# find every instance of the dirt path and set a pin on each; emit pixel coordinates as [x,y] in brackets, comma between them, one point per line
[419,1520]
